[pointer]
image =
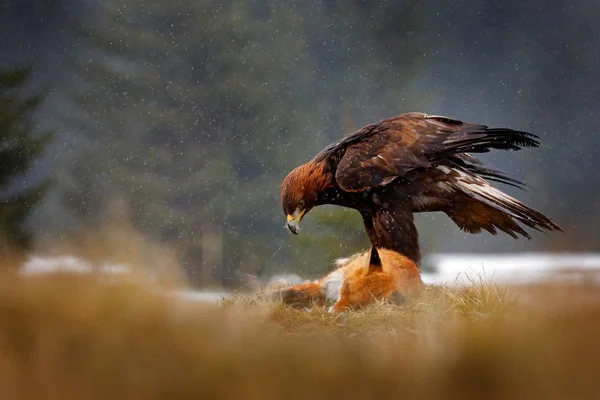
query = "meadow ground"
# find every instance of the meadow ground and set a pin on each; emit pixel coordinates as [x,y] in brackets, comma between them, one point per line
[86,337]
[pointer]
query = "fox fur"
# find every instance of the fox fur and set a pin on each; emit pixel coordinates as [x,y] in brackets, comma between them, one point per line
[359,280]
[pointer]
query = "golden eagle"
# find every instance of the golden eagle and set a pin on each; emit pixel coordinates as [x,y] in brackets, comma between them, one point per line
[410,163]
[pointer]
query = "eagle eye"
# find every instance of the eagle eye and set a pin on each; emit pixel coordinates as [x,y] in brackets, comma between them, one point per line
[301,203]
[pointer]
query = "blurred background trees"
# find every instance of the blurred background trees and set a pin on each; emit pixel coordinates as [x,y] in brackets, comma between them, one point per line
[193,112]
[182,118]
[20,148]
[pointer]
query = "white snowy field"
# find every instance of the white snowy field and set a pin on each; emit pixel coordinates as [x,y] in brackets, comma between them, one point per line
[511,268]
[40,265]
[441,269]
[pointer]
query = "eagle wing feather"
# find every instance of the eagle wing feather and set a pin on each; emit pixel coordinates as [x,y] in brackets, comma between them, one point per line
[379,153]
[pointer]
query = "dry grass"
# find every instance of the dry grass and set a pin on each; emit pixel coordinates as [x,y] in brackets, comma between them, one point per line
[67,337]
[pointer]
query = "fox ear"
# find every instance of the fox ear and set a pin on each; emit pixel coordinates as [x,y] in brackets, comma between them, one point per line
[374,260]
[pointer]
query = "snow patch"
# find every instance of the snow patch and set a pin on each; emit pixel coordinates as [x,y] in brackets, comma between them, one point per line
[38,265]
[512,268]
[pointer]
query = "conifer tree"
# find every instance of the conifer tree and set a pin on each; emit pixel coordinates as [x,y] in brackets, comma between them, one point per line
[20,148]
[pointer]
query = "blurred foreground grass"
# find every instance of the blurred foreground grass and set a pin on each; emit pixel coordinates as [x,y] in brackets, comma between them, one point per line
[77,337]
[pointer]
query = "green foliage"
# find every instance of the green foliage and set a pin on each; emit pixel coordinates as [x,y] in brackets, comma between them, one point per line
[20,146]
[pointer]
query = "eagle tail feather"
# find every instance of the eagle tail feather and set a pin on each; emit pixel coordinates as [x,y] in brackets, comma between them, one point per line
[495,175]
[494,208]
[485,218]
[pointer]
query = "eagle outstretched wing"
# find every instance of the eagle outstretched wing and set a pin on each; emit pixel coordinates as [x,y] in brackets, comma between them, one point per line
[410,163]
[379,153]
[430,156]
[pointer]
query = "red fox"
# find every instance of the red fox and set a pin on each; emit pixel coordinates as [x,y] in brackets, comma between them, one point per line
[359,280]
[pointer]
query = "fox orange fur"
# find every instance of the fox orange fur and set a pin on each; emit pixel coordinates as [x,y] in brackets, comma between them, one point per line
[359,281]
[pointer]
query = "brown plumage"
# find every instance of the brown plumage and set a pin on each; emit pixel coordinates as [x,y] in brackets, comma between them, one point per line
[410,163]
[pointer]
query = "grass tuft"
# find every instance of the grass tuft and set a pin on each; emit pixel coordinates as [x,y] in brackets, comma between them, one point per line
[84,337]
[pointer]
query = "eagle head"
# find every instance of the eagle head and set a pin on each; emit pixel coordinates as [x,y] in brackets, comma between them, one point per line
[300,193]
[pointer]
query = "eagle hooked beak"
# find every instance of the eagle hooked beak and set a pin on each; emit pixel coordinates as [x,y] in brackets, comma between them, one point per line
[293,221]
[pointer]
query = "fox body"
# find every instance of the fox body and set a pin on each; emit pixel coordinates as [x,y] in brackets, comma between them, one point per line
[358,281]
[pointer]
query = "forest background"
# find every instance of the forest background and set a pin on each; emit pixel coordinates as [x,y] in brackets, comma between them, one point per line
[179,119]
